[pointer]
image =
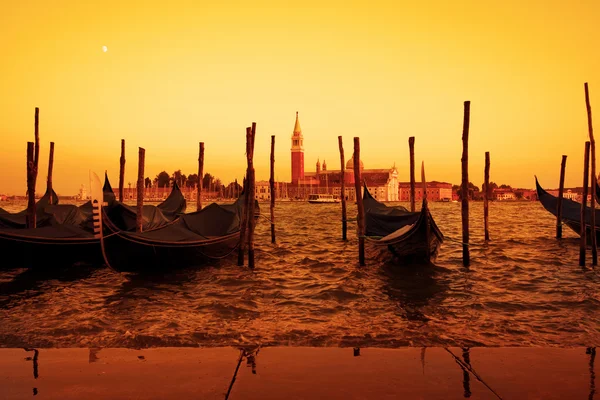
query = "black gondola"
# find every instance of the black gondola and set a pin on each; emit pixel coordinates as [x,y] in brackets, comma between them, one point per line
[19,219]
[63,238]
[571,211]
[398,235]
[67,235]
[192,240]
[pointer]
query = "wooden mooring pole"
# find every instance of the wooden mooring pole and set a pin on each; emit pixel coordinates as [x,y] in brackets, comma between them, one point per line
[411,149]
[427,226]
[140,191]
[36,158]
[343,190]
[50,167]
[272,185]
[582,232]
[593,172]
[247,197]
[561,189]
[122,171]
[486,185]
[251,191]
[359,203]
[200,176]
[465,184]
[30,185]
[32,171]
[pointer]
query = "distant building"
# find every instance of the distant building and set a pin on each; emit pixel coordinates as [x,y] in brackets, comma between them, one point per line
[503,194]
[569,194]
[82,195]
[575,194]
[526,194]
[263,190]
[436,191]
[381,183]
[297,152]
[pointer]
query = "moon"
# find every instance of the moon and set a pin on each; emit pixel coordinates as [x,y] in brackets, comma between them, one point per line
[104,49]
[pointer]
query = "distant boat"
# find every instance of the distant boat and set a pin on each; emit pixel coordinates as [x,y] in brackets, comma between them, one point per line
[322,198]
[571,211]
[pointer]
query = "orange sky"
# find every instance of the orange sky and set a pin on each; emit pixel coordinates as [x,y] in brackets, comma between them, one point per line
[177,73]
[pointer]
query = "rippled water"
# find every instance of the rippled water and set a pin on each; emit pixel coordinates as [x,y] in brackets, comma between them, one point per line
[523,288]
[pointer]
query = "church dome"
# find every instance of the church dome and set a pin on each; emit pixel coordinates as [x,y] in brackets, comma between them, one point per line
[350,164]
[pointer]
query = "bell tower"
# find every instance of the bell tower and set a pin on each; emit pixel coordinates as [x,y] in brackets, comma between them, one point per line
[297,152]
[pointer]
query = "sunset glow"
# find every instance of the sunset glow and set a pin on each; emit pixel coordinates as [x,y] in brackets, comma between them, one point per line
[182,72]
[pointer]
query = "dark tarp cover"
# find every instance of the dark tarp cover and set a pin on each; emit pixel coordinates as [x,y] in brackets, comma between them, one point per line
[381,220]
[69,221]
[212,221]
[19,219]
[52,214]
[173,205]
[69,214]
[125,217]
[81,216]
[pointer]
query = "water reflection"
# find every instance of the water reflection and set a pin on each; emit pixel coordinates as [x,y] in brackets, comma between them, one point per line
[36,354]
[31,282]
[414,288]
[148,285]
[592,352]
[249,353]
[93,356]
[465,365]
[466,377]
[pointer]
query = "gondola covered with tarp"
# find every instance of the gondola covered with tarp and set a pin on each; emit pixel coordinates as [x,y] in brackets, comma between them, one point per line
[19,219]
[193,239]
[174,205]
[67,235]
[398,235]
[571,211]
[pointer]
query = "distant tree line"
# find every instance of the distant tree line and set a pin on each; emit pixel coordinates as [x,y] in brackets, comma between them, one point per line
[476,194]
[209,182]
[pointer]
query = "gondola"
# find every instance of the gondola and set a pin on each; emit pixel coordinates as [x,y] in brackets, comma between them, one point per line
[64,237]
[174,205]
[67,235]
[571,211]
[397,235]
[193,239]
[19,219]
